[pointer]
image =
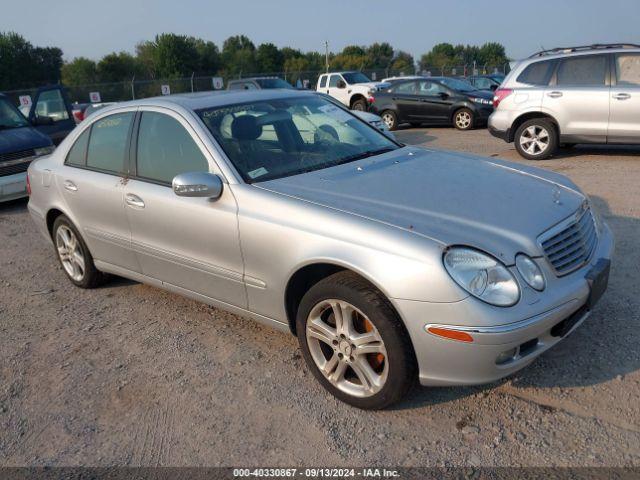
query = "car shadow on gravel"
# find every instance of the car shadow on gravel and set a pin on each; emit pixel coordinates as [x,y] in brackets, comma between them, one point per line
[603,349]
[13,207]
[597,150]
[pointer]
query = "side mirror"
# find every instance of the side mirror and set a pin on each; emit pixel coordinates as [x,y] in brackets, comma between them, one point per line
[443,95]
[43,120]
[493,87]
[198,184]
[342,84]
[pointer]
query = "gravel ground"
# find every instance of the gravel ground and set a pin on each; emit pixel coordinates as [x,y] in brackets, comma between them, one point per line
[130,375]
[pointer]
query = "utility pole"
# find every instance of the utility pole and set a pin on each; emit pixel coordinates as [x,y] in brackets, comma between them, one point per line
[326,55]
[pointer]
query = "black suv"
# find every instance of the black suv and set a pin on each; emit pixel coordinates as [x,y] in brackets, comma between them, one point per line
[433,100]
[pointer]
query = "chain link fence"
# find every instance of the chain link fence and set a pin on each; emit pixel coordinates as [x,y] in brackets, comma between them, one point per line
[135,89]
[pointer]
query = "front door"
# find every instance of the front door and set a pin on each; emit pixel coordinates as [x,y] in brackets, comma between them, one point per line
[624,118]
[578,98]
[51,113]
[91,182]
[435,101]
[338,88]
[191,243]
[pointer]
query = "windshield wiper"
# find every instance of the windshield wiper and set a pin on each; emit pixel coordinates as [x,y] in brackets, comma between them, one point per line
[367,154]
[8,127]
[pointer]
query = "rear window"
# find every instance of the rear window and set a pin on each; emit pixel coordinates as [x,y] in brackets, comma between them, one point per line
[537,73]
[587,70]
[628,69]
[108,143]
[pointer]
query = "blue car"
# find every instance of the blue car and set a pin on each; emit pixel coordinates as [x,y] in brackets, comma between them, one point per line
[20,144]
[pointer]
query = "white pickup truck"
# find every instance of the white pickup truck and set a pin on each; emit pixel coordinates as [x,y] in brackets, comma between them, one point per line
[353,89]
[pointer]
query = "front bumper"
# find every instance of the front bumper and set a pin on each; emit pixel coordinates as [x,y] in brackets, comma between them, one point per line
[535,324]
[13,186]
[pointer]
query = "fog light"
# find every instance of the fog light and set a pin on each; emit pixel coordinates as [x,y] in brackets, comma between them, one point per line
[506,356]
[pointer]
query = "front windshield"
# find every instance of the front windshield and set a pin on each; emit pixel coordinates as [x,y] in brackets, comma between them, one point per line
[355,77]
[458,85]
[273,83]
[10,117]
[282,137]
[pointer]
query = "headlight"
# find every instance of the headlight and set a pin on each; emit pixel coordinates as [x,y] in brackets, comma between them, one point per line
[530,272]
[482,101]
[482,276]
[43,151]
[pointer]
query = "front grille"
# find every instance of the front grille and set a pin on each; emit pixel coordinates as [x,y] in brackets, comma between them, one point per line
[570,245]
[12,169]
[5,157]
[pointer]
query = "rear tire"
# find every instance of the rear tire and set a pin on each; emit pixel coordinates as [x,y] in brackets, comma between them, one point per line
[463,119]
[390,119]
[536,139]
[74,256]
[370,344]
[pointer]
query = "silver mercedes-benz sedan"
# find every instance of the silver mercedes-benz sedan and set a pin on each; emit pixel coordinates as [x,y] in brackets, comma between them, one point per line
[390,263]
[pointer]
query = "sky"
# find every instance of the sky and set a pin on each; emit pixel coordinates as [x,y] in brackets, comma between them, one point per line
[92,29]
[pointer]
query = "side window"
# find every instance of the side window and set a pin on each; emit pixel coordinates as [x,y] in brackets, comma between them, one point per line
[323,81]
[166,149]
[235,86]
[51,104]
[333,80]
[537,73]
[407,88]
[78,153]
[430,88]
[583,70]
[628,69]
[108,142]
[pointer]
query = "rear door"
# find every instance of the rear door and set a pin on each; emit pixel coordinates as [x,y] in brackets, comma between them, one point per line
[51,113]
[91,182]
[578,98]
[404,96]
[624,119]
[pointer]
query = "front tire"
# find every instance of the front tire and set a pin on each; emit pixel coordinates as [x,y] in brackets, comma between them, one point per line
[463,119]
[390,119]
[359,105]
[354,343]
[536,139]
[73,254]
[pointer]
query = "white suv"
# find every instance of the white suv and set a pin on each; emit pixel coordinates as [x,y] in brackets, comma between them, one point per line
[353,89]
[566,96]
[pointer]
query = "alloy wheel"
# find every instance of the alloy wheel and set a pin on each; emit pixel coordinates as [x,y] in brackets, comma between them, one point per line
[388,120]
[463,120]
[347,348]
[70,253]
[535,140]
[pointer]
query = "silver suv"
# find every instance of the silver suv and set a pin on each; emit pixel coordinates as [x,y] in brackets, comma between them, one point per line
[561,97]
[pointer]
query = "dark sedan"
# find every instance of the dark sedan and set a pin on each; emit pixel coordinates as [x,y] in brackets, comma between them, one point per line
[433,100]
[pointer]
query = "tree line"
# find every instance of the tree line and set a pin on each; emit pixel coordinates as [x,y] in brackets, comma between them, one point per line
[170,55]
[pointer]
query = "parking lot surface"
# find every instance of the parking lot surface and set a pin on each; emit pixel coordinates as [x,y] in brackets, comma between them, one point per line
[131,375]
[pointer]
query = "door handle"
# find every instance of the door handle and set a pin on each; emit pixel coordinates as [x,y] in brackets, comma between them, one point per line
[133,200]
[69,185]
[554,94]
[622,96]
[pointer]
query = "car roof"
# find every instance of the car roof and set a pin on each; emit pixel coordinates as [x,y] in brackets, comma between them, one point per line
[569,53]
[219,98]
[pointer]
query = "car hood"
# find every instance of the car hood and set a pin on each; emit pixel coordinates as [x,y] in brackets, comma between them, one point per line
[23,138]
[486,94]
[451,198]
[374,85]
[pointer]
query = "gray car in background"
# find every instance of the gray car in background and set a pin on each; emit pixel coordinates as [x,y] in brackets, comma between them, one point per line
[391,264]
[565,96]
